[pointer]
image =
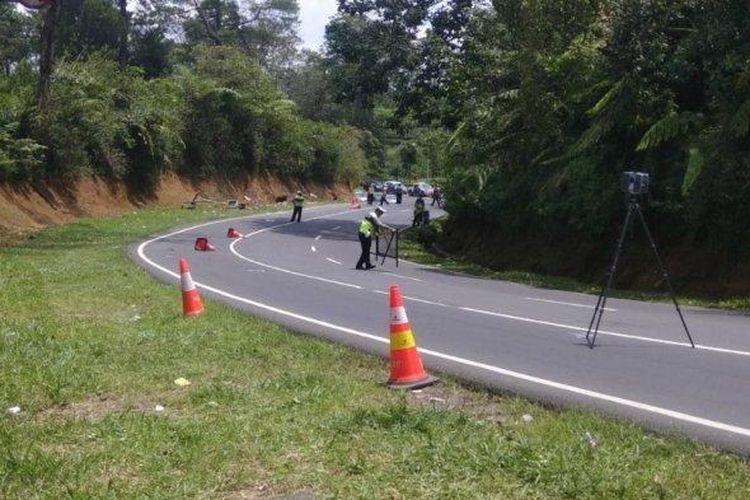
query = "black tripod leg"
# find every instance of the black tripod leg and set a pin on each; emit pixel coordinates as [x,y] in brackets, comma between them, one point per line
[665,274]
[602,302]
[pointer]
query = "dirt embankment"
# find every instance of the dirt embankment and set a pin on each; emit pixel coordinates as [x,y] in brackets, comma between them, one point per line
[28,208]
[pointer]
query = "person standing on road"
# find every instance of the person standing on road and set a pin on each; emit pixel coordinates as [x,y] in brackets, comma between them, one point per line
[383,199]
[418,211]
[370,194]
[298,202]
[369,227]
[437,196]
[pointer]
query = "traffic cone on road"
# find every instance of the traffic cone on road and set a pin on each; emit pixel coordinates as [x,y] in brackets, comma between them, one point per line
[202,245]
[233,233]
[191,301]
[407,371]
[355,203]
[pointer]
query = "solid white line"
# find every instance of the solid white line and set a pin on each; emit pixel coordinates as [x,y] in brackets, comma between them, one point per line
[466,362]
[605,332]
[333,260]
[491,313]
[401,276]
[585,306]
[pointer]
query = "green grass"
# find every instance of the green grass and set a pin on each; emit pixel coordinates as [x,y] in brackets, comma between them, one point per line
[90,345]
[414,248]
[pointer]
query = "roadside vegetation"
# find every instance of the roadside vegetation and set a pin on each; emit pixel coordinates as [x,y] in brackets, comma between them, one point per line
[92,346]
[421,245]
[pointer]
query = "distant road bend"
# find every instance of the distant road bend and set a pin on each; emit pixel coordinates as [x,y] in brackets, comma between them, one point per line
[507,336]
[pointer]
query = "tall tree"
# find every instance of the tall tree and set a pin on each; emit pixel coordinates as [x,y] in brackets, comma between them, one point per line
[263,29]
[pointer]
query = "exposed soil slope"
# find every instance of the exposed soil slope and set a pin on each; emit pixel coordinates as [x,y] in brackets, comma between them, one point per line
[28,208]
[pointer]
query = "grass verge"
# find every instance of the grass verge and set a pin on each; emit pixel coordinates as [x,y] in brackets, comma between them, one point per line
[417,245]
[91,347]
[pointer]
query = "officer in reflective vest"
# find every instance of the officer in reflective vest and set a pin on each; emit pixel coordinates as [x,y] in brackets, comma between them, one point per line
[369,227]
[298,202]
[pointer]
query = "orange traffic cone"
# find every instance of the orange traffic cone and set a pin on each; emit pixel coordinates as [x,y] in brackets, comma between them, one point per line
[202,245]
[191,301]
[355,203]
[407,371]
[233,233]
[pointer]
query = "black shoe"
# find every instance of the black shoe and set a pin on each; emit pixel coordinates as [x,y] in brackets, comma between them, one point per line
[369,266]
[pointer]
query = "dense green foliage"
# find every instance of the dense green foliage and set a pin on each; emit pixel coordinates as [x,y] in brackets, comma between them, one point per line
[204,107]
[548,101]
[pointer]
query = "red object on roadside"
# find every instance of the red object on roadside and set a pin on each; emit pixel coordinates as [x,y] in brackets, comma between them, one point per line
[191,300]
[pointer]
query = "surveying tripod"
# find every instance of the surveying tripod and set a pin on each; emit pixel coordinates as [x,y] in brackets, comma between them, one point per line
[634,208]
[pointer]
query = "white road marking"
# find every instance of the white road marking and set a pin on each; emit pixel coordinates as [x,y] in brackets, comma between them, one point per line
[684,417]
[317,238]
[605,332]
[413,299]
[586,306]
[489,313]
[336,228]
[287,271]
[313,249]
[333,260]
[402,276]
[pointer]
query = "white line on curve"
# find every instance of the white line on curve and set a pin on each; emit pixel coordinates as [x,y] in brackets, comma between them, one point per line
[605,332]
[684,417]
[585,306]
[333,260]
[413,299]
[480,311]
[402,276]
[287,271]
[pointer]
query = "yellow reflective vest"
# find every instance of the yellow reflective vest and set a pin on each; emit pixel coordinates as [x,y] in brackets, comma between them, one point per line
[366,227]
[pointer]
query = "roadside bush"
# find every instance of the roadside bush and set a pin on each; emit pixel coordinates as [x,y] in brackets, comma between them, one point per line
[19,156]
[102,120]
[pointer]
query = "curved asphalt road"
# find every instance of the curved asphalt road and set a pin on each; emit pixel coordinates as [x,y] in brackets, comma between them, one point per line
[508,336]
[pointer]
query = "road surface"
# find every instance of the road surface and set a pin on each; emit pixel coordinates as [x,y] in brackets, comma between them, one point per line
[506,336]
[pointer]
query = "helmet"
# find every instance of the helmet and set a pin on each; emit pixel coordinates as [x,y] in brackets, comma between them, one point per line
[379,210]
[299,192]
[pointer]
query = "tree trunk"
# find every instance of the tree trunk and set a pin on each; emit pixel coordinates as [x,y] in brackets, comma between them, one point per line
[47,51]
[122,56]
[210,31]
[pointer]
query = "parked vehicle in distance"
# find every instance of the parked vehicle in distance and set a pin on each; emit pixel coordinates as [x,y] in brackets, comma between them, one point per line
[393,187]
[360,195]
[377,185]
[421,189]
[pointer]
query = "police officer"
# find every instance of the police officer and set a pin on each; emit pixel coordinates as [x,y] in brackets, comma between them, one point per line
[369,227]
[298,202]
[418,211]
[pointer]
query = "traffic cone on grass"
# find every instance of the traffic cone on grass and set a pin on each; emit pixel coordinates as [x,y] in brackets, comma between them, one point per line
[233,233]
[407,371]
[202,245]
[191,301]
